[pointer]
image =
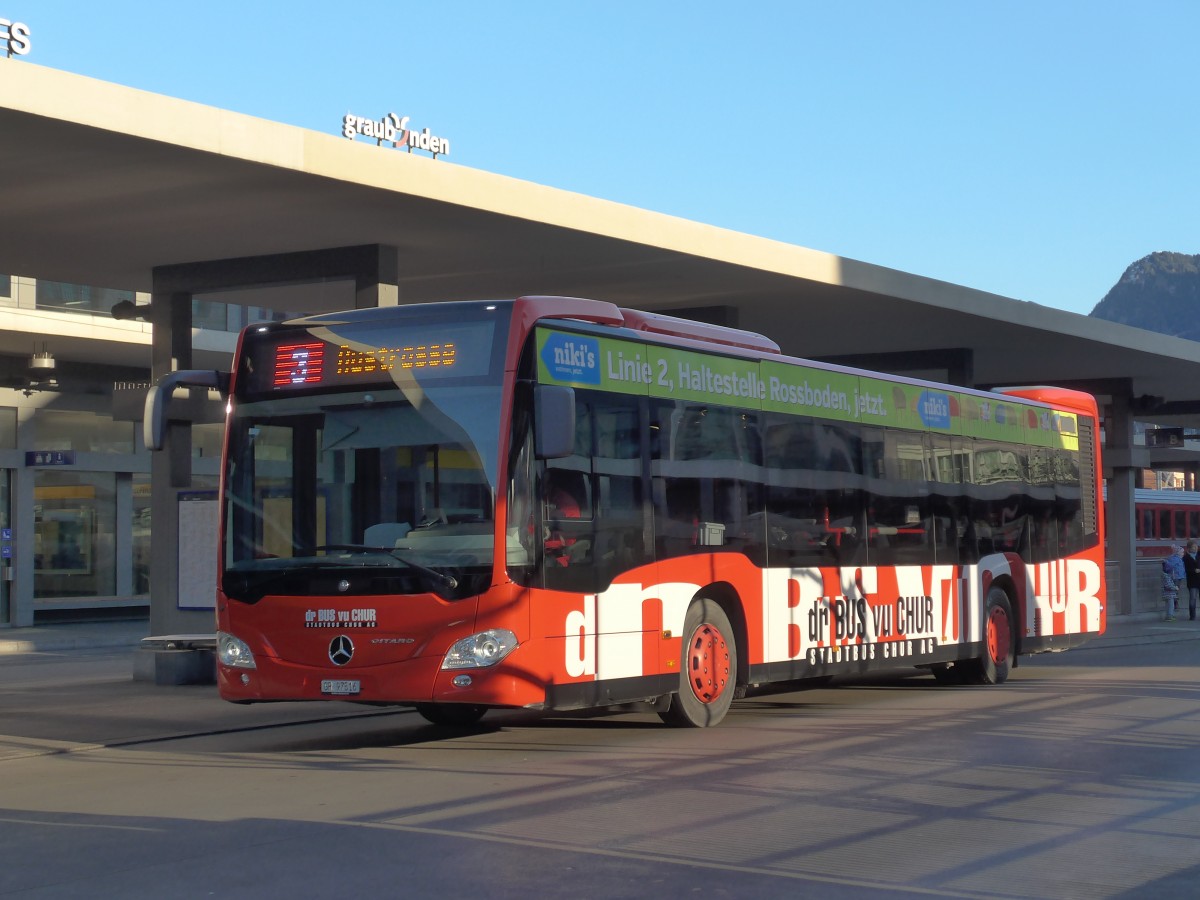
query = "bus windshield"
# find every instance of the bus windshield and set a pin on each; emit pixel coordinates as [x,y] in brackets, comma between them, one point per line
[357,481]
[350,470]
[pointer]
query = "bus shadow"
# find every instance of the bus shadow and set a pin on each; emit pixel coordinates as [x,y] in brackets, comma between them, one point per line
[414,731]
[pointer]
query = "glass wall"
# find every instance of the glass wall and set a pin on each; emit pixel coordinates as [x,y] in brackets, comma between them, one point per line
[78,297]
[74,526]
[213,316]
[91,530]
[60,429]
[206,314]
[8,441]
[76,551]
[141,534]
[6,547]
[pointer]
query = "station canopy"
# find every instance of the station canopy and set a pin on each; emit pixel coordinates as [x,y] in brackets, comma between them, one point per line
[103,183]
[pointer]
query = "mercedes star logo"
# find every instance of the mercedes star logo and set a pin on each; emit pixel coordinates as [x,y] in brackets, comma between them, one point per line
[341,649]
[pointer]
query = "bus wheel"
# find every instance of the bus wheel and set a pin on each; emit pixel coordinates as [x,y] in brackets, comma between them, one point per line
[707,668]
[998,657]
[451,713]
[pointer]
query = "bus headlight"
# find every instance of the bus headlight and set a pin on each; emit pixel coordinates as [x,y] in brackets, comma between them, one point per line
[232,651]
[480,650]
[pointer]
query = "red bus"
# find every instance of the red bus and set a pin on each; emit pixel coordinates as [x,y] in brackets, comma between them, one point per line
[555,504]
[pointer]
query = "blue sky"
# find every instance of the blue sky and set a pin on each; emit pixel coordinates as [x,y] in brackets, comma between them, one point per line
[1030,149]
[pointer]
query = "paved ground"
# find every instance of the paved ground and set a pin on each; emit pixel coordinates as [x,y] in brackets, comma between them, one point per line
[69,685]
[1077,780]
[73,636]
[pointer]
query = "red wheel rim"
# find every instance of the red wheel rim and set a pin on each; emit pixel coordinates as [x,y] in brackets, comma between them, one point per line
[708,663]
[998,637]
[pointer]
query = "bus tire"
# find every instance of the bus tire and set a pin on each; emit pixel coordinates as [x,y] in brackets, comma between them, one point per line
[454,714]
[998,658]
[707,668]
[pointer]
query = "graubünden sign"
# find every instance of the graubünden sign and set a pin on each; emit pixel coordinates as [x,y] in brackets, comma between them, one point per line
[393,129]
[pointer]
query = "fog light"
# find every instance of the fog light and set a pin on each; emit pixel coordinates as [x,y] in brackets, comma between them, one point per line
[462,681]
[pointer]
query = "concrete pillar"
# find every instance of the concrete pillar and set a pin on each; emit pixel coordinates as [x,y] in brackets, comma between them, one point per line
[170,470]
[378,283]
[1123,464]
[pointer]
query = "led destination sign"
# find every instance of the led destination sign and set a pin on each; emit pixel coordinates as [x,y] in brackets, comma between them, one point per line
[299,364]
[341,357]
[304,363]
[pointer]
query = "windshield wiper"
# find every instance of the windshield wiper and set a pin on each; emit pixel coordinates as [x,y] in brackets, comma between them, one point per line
[244,585]
[449,582]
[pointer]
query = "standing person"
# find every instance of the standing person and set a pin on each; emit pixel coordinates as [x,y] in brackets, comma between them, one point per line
[1174,577]
[1191,565]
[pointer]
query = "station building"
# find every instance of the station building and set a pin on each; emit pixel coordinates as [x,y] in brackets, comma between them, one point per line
[204,220]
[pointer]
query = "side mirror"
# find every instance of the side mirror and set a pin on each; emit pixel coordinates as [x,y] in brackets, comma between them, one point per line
[154,420]
[553,421]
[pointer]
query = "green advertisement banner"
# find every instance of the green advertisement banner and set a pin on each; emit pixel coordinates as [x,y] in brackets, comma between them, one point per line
[629,367]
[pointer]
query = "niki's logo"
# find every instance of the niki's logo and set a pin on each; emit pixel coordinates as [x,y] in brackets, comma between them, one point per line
[341,650]
[571,357]
[935,409]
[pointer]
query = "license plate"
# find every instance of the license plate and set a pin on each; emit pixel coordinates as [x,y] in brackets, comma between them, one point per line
[340,688]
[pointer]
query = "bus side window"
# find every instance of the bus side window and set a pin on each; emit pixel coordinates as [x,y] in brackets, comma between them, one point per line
[813,492]
[567,511]
[566,495]
[898,521]
[621,520]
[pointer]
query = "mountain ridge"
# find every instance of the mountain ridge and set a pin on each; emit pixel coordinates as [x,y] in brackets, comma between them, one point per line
[1159,292]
